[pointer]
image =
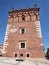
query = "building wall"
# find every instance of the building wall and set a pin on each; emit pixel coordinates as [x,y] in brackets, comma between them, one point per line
[1,49]
[32,36]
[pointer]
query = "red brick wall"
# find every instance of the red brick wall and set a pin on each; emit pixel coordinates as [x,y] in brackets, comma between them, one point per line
[33,42]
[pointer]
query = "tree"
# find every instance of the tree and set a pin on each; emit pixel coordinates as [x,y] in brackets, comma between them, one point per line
[47,53]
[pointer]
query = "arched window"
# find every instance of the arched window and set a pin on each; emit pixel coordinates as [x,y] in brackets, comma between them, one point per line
[15,54]
[27,55]
[21,55]
[36,16]
[23,17]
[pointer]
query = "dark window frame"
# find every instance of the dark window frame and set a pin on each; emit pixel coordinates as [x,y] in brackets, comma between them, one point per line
[28,55]
[15,54]
[21,55]
[23,17]
[22,44]
[22,31]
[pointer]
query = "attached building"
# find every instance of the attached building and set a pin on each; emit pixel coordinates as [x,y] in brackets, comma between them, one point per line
[1,49]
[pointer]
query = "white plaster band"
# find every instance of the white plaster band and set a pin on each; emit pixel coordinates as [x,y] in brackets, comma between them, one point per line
[5,44]
[4,51]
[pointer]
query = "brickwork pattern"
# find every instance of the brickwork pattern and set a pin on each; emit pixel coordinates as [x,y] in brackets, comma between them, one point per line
[32,35]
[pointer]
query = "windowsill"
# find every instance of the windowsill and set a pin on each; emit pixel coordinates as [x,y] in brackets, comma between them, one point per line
[22,48]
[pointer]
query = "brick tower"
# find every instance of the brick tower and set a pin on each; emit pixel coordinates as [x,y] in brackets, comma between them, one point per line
[23,34]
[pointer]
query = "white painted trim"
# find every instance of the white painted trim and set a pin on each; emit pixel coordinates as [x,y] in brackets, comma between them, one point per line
[7,31]
[20,30]
[41,44]
[24,30]
[4,47]
[5,44]
[3,51]
[38,28]
[13,30]
[6,37]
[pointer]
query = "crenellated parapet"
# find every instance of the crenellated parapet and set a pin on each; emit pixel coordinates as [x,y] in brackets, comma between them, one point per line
[28,14]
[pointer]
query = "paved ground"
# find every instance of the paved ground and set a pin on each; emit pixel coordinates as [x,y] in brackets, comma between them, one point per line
[12,61]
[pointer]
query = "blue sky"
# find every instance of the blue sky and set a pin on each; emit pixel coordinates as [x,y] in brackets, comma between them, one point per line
[5,6]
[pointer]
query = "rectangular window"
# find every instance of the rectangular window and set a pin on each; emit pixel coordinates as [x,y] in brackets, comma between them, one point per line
[22,30]
[22,45]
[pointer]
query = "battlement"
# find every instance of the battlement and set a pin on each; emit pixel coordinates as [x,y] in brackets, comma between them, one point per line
[20,11]
[27,14]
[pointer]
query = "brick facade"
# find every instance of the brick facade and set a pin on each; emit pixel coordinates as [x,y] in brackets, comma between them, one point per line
[25,21]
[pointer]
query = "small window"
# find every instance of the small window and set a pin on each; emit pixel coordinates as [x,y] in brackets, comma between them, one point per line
[15,54]
[21,55]
[22,45]
[27,55]
[23,17]
[22,30]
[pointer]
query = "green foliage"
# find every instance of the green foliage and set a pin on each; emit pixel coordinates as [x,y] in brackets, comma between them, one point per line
[47,53]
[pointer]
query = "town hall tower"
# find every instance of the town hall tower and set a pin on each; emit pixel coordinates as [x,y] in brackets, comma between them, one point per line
[23,34]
